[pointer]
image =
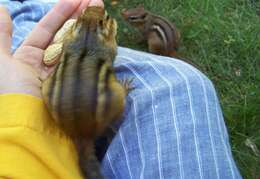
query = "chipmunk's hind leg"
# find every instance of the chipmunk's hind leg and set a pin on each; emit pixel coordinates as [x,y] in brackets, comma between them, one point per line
[156,44]
[102,143]
[88,162]
[173,53]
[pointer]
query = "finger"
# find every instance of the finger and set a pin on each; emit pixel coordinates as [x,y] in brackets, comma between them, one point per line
[44,31]
[46,71]
[5,31]
[85,3]
[30,55]
[96,3]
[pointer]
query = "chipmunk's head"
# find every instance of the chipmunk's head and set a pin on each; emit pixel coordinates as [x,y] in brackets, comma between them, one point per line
[95,28]
[135,16]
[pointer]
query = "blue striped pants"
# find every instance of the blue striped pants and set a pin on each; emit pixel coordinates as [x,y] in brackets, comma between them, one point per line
[172,126]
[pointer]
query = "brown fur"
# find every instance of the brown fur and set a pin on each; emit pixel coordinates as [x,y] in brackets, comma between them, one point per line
[162,36]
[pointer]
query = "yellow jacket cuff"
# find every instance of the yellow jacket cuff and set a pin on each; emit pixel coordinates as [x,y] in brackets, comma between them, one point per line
[31,145]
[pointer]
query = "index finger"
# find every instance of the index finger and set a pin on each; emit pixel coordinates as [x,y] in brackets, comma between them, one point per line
[44,31]
[84,4]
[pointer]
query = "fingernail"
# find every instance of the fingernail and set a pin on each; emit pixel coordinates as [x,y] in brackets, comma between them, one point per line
[96,3]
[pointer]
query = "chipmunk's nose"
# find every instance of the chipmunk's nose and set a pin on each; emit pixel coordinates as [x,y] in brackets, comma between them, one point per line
[107,15]
[123,11]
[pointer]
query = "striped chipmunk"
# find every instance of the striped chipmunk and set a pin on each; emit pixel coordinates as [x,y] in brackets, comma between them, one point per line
[83,94]
[162,36]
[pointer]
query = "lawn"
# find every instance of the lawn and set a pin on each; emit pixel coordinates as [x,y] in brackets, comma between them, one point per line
[223,38]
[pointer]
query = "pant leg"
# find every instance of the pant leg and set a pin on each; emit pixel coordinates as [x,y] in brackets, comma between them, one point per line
[172,126]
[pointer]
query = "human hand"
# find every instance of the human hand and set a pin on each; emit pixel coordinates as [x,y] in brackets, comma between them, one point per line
[23,71]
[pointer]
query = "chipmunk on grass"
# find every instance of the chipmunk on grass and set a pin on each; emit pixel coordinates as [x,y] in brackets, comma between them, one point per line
[83,94]
[162,36]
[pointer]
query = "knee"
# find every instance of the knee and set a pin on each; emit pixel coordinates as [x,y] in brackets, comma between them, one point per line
[157,73]
[190,75]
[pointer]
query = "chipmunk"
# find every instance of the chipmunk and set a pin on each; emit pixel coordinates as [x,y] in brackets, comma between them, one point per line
[162,36]
[83,94]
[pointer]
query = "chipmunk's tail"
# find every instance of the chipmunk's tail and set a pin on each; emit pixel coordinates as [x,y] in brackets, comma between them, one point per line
[87,159]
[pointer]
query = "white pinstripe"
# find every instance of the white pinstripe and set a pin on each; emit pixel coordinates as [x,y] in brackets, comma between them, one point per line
[139,139]
[174,119]
[110,164]
[207,114]
[42,10]
[222,122]
[49,1]
[126,155]
[25,29]
[23,17]
[192,113]
[209,124]
[219,125]
[222,138]
[154,117]
[17,37]
[15,40]
[173,113]
[51,5]
[14,24]
[208,121]
[33,15]
[14,7]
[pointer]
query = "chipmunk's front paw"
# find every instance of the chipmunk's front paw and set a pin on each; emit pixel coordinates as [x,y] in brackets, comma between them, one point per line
[128,84]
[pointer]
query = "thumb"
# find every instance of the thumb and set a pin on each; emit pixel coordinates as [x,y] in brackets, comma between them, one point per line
[5,31]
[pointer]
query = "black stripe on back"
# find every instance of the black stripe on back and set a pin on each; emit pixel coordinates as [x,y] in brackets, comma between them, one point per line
[169,24]
[66,56]
[76,89]
[158,33]
[52,86]
[107,90]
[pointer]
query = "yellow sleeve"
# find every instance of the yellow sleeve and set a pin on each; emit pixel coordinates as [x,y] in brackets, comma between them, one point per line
[31,146]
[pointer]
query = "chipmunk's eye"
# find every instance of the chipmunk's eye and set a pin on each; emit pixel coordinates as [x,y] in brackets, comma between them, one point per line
[143,16]
[132,17]
[101,23]
[107,17]
[137,18]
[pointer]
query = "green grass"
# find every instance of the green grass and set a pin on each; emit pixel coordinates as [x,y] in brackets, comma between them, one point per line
[223,38]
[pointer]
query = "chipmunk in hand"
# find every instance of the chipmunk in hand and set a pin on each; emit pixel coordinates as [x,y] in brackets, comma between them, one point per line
[83,94]
[162,36]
